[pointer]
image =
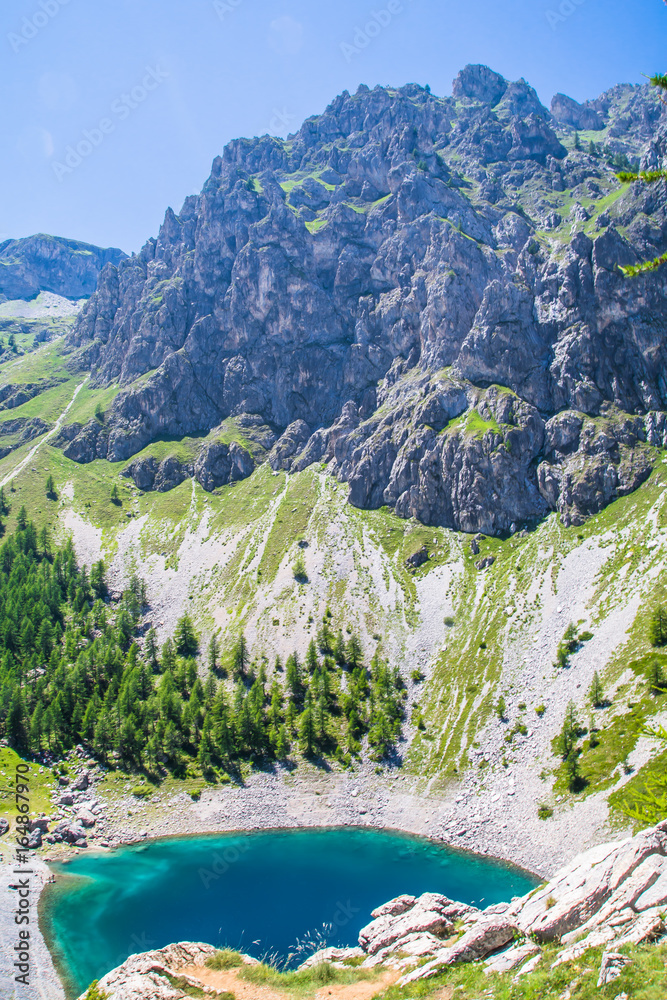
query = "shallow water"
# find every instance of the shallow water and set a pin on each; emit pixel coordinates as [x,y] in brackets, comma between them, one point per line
[261,892]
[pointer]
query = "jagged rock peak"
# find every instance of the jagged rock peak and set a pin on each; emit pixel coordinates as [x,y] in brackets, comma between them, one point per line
[479,83]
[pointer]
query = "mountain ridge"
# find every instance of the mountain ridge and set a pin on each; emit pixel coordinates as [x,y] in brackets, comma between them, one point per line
[399,234]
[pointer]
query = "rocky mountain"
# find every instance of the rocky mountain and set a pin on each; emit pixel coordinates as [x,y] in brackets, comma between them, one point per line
[420,292]
[68,268]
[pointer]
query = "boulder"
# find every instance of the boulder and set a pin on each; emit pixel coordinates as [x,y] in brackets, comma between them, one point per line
[35,839]
[81,783]
[484,937]
[418,558]
[66,800]
[85,817]
[69,832]
[430,913]
[611,967]
[4,826]
[510,958]
[39,823]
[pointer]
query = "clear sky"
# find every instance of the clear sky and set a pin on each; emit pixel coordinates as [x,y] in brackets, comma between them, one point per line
[151,90]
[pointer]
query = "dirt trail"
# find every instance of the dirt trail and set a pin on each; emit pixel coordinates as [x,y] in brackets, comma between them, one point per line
[228,980]
[54,430]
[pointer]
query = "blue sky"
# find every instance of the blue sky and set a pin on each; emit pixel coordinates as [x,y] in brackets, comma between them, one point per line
[151,90]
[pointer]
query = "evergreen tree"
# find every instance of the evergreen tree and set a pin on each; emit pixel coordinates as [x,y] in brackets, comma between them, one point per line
[185,639]
[51,488]
[22,522]
[596,693]
[312,663]
[307,731]
[656,679]
[658,626]
[240,658]
[150,649]
[339,650]
[213,654]
[282,744]
[115,498]
[570,731]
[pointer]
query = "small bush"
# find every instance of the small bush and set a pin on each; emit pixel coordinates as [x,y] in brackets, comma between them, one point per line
[585,636]
[449,621]
[299,569]
[522,706]
[417,676]
[550,903]
[540,710]
[141,791]
[544,812]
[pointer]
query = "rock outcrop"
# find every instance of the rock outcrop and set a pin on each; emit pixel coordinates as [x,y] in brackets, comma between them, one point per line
[612,895]
[148,976]
[420,292]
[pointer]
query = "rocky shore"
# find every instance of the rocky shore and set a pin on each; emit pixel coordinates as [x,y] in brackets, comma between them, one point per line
[613,895]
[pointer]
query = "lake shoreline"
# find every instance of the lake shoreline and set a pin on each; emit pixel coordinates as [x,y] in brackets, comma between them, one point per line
[463,817]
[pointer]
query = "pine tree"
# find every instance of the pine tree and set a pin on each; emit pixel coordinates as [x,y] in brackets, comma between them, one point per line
[51,488]
[339,649]
[596,693]
[572,771]
[282,744]
[213,654]
[354,654]
[656,679]
[240,658]
[22,521]
[185,639]
[114,495]
[312,663]
[570,731]
[658,626]
[577,143]
[4,506]
[150,649]
[307,731]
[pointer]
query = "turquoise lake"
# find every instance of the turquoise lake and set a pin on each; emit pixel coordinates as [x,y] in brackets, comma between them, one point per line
[260,892]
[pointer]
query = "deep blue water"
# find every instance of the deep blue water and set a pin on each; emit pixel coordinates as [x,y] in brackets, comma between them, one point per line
[261,892]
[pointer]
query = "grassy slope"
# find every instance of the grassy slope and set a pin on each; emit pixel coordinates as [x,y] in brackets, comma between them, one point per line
[229,556]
